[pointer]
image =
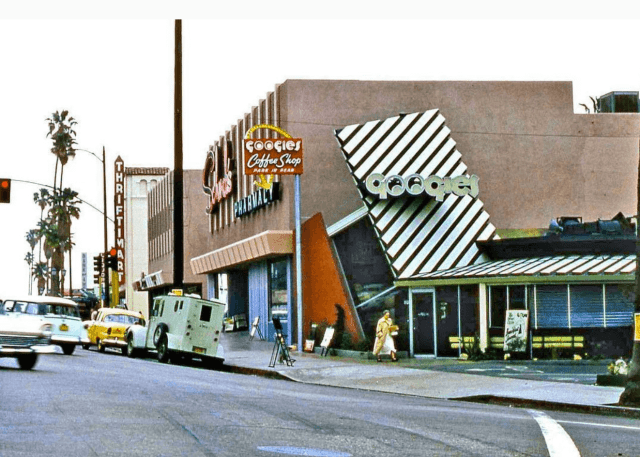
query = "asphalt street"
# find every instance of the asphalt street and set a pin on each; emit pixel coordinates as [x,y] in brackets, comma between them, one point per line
[110,405]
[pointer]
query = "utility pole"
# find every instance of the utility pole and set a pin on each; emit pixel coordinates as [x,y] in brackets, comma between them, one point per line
[106,252]
[178,235]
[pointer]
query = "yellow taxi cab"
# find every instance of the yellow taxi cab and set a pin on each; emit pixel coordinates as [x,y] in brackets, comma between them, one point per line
[109,328]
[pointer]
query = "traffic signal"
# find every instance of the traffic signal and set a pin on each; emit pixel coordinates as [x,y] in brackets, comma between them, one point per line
[97,268]
[5,190]
[112,260]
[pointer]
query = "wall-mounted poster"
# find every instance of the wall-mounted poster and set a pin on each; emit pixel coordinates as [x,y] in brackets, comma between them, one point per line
[516,329]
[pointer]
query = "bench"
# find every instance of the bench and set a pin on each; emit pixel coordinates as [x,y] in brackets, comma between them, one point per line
[495,342]
[539,342]
[564,342]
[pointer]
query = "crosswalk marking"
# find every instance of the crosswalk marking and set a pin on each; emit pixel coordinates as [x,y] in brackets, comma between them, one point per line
[559,443]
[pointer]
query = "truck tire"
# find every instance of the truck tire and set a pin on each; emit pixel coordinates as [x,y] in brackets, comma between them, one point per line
[163,349]
[130,350]
[161,329]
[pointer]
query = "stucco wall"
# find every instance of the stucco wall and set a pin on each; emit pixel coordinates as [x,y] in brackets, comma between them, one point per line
[536,159]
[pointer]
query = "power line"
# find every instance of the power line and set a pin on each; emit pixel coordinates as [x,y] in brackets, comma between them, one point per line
[51,187]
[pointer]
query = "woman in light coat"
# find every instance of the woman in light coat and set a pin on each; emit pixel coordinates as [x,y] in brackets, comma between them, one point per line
[384,342]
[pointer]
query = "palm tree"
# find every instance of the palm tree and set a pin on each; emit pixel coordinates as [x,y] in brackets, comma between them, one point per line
[64,207]
[29,259]
[42,199]
[41,272]
[32,239]
[62,133]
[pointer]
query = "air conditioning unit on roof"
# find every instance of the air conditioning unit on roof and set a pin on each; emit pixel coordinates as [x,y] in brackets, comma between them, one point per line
[619,102]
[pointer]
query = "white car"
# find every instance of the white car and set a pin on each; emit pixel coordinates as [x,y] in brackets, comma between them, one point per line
[24,337]
[67,331]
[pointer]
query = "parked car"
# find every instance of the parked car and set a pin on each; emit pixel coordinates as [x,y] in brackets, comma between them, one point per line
[67,329]
[24,337]
[183,326]
[110,327]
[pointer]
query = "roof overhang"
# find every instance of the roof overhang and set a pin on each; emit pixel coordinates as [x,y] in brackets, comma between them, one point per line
[532,270]
[266,244]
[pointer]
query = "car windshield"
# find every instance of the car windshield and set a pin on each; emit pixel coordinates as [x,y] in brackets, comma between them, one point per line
[123,319]
[41,309]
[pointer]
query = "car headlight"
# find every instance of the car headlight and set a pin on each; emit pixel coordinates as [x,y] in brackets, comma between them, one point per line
[46,329]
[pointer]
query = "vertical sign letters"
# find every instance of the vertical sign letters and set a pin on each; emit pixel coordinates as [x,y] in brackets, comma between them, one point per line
[119,215]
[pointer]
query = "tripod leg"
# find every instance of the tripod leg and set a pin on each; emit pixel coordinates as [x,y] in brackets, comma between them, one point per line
[274,355]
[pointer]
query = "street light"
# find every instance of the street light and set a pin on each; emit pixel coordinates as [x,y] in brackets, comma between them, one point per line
[63,273]
[104,199]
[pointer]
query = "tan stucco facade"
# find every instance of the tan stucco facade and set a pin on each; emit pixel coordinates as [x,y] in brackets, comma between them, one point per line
[536,159]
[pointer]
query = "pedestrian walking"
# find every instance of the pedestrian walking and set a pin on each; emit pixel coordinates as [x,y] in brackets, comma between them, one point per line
[384,341]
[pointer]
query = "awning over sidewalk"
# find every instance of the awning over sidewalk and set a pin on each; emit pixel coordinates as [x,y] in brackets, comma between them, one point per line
[534,269]
[265,244]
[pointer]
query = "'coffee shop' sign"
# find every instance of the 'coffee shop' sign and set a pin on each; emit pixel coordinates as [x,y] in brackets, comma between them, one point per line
[272,156]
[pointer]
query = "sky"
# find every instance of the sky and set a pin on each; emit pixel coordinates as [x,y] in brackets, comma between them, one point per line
[112,69]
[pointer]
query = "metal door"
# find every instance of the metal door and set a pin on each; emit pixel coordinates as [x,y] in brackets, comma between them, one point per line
[424,324]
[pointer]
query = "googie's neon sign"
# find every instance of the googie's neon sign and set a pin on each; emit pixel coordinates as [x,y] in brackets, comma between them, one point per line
[415,184]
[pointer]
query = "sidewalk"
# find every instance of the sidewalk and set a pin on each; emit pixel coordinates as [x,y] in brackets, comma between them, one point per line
[413,377]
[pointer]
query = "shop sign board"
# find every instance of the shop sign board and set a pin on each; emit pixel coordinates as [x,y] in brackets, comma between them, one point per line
[258,199]
[119,216]
[516,330]
[217,175]
[415,184]
[272,156]
[637,327]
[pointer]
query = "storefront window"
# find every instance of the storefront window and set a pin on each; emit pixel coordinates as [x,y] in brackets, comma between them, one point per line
[396,301]
[507,297]
[365,266]
[498,297]
[587,306]
[620,305]
[278,290]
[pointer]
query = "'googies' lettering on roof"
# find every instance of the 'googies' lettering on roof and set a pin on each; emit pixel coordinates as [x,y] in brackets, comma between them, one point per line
[415,184]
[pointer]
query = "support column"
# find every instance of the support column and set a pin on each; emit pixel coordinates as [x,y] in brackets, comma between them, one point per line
[483,296]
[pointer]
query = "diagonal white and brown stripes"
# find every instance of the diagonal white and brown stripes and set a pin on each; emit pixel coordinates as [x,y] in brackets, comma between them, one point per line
[418,234]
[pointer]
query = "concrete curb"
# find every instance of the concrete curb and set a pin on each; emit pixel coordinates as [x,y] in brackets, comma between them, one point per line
[606,410]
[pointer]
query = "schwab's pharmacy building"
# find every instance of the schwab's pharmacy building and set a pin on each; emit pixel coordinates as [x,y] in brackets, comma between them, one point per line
[448,203]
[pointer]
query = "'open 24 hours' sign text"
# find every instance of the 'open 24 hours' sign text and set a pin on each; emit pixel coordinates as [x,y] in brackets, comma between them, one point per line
[272,156]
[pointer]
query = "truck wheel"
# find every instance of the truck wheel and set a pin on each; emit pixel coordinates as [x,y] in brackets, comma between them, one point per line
[27,361]
[67,349]
[163,349]
[130,350]
[161,329]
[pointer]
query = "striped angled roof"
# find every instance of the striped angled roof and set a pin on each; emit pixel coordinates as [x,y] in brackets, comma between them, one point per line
[569,265]
[418,234]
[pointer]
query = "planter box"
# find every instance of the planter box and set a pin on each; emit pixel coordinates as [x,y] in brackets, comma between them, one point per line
[616,380]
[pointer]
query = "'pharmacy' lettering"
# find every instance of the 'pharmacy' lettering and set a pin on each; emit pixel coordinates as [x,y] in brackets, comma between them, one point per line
[258,199]
[414,184]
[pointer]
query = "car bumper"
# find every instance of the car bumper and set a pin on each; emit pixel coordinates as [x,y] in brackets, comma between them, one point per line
[114,342]
[7,351]
[57,339]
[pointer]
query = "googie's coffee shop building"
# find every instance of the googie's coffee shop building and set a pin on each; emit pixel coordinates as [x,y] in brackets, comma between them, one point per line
[452,204]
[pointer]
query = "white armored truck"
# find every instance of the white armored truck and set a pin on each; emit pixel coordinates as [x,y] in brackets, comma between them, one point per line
[180,326]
